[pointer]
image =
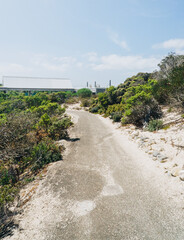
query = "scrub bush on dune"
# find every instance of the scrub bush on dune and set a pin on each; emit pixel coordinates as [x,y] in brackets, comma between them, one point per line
[44,153]
[29,129]
[84,93]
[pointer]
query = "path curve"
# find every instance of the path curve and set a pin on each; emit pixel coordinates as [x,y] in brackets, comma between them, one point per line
[99,192]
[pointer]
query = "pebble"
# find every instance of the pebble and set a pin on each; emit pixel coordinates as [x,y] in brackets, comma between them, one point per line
[181,175]
[162,159]
[156,154]
[175,172]
[144,139]
[150,152]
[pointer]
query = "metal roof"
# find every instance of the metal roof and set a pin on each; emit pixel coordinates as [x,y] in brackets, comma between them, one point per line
[36,82]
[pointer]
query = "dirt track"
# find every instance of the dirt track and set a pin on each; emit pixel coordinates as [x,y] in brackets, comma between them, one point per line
[99,192]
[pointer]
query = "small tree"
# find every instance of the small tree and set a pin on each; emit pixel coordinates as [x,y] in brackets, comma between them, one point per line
[84,93]
[45,121]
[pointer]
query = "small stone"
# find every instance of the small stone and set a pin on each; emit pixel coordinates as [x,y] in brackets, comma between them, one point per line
[144,139]
[162,159]
[181,175]
[156,154]
[136,134]
[175,172]
[175,165]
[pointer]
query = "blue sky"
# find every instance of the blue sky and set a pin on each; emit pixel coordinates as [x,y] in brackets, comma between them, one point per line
[88,40]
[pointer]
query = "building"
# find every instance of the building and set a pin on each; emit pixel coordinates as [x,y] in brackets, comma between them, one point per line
[36,84]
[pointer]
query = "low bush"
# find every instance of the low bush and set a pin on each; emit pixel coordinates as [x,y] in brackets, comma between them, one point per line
[45,121]
[14,140]
[7,176]
[114,108]
[58,97]
[72,100]
[50,109]
[44,153]
[58,128]
[116,116]
[84,93]
[85,102]
[7,194]
[3,118]
[155,125]
[94,109]
[140,108]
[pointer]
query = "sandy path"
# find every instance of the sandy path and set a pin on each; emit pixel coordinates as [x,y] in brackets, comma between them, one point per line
[104,189]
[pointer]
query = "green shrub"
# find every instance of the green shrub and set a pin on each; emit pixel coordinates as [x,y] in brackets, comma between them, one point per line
[58,128]
[5,178]
[101,111]
[50,109]
[103,100]
[85,102]
[14,141]
[3,118]
[111,94]
[114,108]
[72,100]
[70,94]
[94,109]
[33,101]
[44,153]
[45,121]
[140,108]
[116,116]
[155,125]
[58,97]
[7,194]
[15,105]
[84,92]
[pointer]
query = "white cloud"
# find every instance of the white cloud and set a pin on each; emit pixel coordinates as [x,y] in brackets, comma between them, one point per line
[176,44]
[13,69]
[64,59]
[79,64]
[115,39]
[59,64]
[117,62]
[92,56]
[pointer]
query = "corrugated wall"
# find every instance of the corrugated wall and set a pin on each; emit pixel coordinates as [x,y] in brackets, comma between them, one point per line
[31,82]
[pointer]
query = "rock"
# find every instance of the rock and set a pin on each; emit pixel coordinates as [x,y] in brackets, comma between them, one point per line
[154,158]
[162,159]
[156,154]
[161,149]
[175,165]
[144,139]
[136,134]
[150,152]
[175,172]
[163,139]
[181,175]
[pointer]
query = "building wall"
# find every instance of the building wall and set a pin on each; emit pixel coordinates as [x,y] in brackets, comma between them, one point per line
[31,82]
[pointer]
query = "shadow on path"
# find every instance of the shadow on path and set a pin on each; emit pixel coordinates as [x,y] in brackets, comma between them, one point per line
[7,224]
[72,139]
